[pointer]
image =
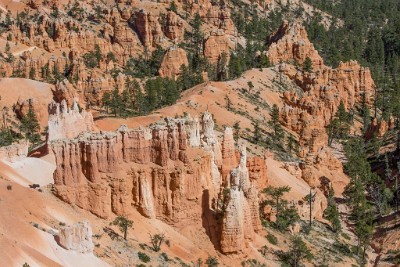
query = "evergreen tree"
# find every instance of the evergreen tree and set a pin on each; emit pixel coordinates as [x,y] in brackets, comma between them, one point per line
[7,137]
[292,145]
[172,7]
[286,215]
[331,213]
[123,223]
[197,35]
[298,252]
[236,131]
[276,126]
[339,127]
[30,126]
[256,132]
[308,65]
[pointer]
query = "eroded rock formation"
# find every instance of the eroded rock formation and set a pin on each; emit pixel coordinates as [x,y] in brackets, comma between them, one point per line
[323,88]
[164,171]
[290,43]
[215,45]
[77,237]
[149,29]
[241,216]
[65,122]
[172,62]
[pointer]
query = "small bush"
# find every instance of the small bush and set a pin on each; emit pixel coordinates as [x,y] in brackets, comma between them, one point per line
[61,223]
[346,236]
[36,225]
[306,228]
[164,256]
[212,262]
[342,248]
[144,257]
[156,241]
[272,239]
[97,245]
[9,187]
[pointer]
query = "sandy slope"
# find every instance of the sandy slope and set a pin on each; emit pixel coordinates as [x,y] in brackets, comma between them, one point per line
[21,242]
[28,171]
[12,89]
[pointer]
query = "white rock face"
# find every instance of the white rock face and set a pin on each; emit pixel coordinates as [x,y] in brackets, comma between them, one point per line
[65,122]
[77,237]
[15,152]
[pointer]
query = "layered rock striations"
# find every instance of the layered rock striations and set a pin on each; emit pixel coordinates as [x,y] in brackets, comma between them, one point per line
[171,171]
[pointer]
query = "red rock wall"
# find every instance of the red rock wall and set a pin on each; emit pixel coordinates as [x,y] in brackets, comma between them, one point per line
[163,171]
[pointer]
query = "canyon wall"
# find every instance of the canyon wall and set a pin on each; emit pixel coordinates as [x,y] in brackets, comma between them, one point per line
[171,171]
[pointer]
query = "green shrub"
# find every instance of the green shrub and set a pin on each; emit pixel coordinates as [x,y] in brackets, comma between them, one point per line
[164,256]
[272,239]
[346,236]
[342,248]
[144,257]
[212,262]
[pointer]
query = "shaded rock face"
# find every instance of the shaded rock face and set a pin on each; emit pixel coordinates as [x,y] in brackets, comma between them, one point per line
[174,28]
[149,29]
[77,237]
[380,128]
[67,122]
[163,171]
[172,62]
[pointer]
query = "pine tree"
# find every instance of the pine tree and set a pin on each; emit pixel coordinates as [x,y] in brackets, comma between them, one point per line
[172,7]
[308,65]
[256,132]
[197,35]
[236,131]
[298,252]
[276,126]
[331,212]
[286,215]
[30,126]
[292,145]
[123,223]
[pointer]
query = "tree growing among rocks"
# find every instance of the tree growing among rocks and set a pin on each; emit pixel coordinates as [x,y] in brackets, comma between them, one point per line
[123,223]
[298,252]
